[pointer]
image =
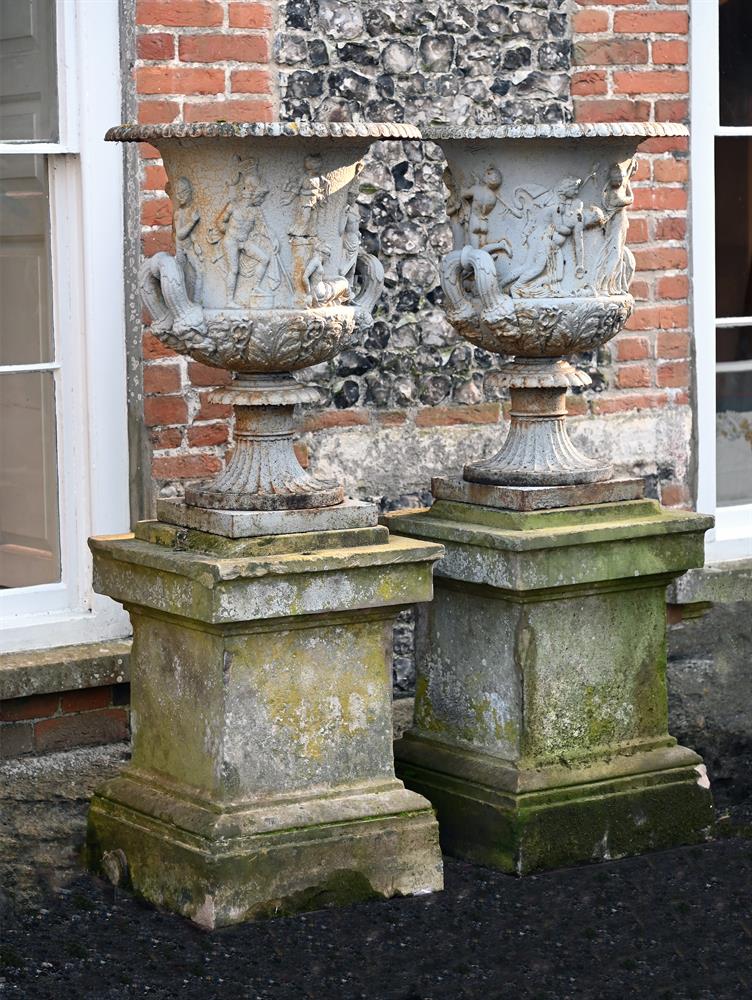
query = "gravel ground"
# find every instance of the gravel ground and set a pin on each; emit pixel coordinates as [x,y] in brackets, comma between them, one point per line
[674,925]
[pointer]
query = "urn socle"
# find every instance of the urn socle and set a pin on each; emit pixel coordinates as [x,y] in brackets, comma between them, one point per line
[268,278]
[540,271]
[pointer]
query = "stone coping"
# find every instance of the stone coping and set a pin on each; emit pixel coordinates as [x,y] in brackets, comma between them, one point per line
[248,130]
[647,130]
[531,498]
[522,531]
[715,583]
[233,524]
[64,668]
[211,571]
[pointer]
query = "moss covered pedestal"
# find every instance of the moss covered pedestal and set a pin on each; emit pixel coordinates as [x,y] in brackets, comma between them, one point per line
[262,778]
[540,731]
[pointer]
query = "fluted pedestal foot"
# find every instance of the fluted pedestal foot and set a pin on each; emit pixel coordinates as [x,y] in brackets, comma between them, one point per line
[264,472]
[538,450]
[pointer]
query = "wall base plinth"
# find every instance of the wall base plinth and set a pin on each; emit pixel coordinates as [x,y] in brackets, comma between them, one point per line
[541,726]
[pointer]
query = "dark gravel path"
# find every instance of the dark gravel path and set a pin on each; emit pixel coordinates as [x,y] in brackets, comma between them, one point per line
[675,925]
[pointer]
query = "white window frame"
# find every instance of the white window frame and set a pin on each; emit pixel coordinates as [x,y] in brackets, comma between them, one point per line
[89,368]
[732,536]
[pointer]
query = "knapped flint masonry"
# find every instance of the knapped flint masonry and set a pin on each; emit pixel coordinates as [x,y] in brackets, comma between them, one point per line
[262,776]
[540,731]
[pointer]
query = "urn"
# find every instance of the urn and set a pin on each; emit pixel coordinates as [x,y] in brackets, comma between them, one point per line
[540,271]
[268,277]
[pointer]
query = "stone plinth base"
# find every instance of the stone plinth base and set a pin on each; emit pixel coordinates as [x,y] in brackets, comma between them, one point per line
[540,731]
[262,777]
[248,523]
[526,498]
[644,802]
[275,857]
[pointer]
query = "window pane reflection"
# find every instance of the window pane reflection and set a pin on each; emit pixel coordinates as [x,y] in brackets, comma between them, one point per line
[734,343]
[735,45]
[28,70]
[734,437]
[25,322]
[29,533]
[733,226]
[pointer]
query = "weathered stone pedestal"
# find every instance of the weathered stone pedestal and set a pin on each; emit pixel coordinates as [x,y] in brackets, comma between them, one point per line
[540,732]
[262,779]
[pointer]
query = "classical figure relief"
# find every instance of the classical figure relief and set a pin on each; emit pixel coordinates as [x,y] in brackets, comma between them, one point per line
[615,266]
[456,209]
[349,229]
[482,198]
[311,192]
[323,289]
[551,226]
[188,252]
[246,243]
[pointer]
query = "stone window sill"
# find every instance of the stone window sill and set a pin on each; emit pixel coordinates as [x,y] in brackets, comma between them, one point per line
[64,668]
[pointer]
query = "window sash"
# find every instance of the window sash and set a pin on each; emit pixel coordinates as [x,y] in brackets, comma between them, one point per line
[67,144]
[732,536]
[66,14]
[89,340]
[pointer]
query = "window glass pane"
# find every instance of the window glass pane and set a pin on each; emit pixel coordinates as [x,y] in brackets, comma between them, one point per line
[733,226]
[29,534]
[735,46]
[28,70]
[733,343]
[25,317]
[734,437]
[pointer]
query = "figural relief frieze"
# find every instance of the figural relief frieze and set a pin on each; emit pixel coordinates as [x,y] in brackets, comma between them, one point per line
[309,193]
[616,262]
[246,246]
[251,251]
[539,271]
[188,251]
[565,239]
[349,231]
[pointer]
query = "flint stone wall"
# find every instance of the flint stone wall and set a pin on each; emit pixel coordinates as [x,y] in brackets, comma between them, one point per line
[418,62]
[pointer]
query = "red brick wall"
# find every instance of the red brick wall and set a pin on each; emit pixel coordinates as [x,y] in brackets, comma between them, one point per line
[43,723]
[631,64]
[210,59]
[196,60]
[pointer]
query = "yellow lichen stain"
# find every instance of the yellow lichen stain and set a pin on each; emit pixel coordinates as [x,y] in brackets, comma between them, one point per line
[386,590]
[424,714]
[324,693]
[600,730]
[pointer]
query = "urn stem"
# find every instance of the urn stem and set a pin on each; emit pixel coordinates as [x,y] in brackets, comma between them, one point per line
[538,450]
[264,472]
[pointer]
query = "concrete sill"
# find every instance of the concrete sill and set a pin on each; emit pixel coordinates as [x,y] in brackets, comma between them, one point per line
[716,583]
[64,668]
